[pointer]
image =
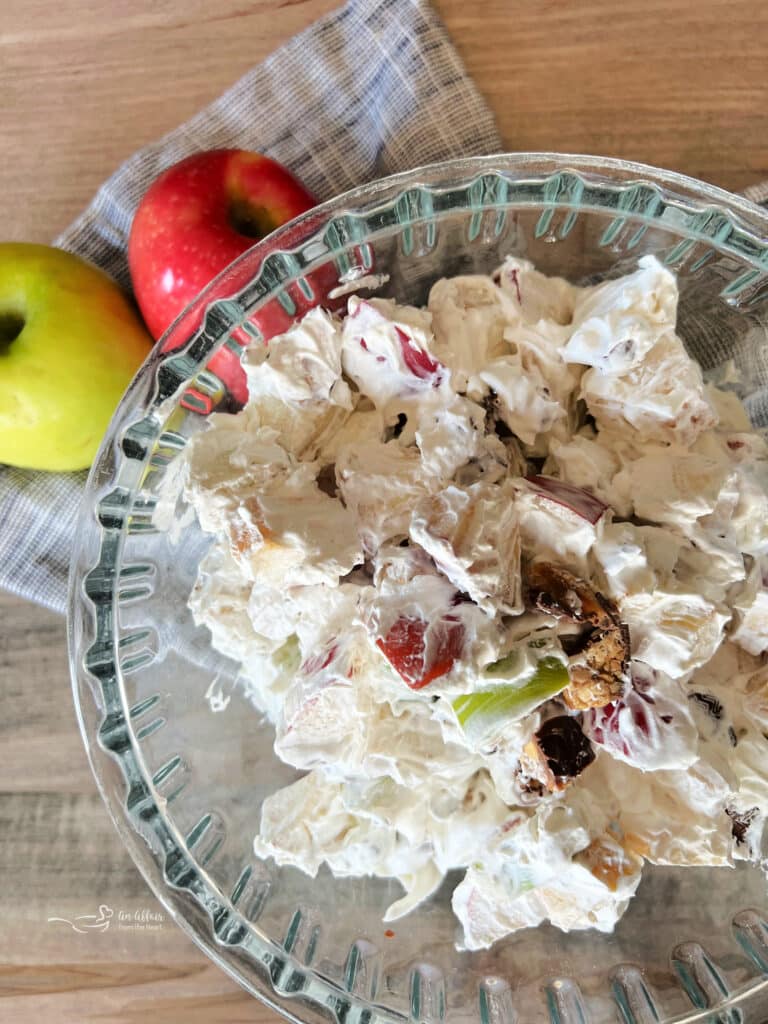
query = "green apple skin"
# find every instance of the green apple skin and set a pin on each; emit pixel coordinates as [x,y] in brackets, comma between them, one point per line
[63,374]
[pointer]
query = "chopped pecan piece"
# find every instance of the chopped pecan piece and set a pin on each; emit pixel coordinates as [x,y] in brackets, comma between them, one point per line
[599,659]
[560,750]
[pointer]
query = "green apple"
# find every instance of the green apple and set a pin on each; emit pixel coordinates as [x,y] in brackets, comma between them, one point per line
[70,343]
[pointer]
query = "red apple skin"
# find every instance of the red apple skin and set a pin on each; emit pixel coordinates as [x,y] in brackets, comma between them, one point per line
[194,220]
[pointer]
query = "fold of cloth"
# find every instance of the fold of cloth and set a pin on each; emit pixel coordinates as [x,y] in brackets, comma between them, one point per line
[372,88]
[758,193]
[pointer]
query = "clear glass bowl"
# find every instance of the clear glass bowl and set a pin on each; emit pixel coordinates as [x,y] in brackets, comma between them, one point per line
[184,785]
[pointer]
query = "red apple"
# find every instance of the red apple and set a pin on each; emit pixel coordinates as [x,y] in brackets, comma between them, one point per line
[194,220]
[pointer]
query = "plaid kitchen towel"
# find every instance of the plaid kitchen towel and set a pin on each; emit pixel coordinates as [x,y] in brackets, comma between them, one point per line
[373,88]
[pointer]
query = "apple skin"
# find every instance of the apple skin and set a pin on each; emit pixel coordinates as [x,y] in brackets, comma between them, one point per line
[70,343]
[195,219]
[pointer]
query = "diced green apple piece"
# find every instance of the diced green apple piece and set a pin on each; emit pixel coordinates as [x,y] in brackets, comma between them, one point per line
[478,713]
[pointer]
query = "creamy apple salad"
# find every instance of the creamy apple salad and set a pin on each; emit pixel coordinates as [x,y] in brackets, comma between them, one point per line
[496,571]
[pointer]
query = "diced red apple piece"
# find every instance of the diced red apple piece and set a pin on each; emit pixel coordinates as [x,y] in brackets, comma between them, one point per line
[420,363]
[579,501]
[405,647]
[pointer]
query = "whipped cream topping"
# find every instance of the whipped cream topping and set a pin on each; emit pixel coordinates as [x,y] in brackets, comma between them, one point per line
[380,510]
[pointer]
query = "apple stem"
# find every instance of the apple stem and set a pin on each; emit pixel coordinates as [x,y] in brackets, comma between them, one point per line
[250,219]
[11,326]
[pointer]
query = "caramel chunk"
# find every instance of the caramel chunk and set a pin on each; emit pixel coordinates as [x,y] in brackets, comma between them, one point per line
[556,591]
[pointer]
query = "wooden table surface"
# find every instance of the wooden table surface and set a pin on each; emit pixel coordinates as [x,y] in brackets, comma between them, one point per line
[83,83]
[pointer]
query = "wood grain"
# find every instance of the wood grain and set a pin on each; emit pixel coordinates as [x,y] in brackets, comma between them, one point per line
[60,857]
[669,82]
[85,83]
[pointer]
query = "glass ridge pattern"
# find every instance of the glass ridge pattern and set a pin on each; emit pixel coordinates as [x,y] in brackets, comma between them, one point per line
[148,432]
